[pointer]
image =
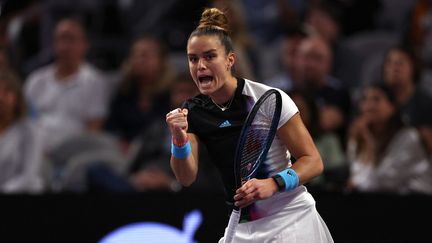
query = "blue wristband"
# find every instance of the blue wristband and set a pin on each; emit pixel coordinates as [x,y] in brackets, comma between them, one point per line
[181,152]
[290,178]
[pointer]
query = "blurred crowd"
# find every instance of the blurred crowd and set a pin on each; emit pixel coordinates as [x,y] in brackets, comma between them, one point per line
[85,87]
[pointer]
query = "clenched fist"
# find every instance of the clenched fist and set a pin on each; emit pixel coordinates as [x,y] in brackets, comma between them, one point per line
[177,123]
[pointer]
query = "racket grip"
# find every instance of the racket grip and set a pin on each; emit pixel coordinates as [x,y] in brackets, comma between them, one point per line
[232,225]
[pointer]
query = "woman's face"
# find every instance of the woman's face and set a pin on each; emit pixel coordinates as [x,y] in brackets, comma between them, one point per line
[398,68]
[209,64]
[315,60]
[145,59]
[375,106]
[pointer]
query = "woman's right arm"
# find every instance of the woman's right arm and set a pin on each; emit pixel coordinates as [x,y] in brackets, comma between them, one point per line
[186,169]
[184,164]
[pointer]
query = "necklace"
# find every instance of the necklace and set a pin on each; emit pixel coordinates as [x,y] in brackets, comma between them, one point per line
[224,108]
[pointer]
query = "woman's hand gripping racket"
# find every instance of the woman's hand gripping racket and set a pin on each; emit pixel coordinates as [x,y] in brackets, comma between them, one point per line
[255,140]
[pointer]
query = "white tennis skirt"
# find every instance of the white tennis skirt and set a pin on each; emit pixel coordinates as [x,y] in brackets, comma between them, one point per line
[290,217]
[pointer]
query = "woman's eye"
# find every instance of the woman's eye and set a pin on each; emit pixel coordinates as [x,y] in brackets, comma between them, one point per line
[193,59]
[209,57]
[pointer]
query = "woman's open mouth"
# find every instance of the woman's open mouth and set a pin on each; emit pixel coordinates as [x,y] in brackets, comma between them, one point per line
[205,81]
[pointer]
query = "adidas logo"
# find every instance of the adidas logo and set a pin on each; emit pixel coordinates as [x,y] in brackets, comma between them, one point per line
[226,123]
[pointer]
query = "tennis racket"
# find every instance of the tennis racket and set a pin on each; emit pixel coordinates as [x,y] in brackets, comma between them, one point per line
[256,137]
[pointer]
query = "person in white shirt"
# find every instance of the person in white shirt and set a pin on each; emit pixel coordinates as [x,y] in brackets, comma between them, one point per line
[68,96]
[20,142]
[386,155]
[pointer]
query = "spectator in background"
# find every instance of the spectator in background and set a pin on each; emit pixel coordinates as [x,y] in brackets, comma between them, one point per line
[419,33]
[323,19]
[419,36]
[328,144]
[242,41]
[290,76]
[386,155]
[69,96]
[266,19]
[21,154]
[330,94]
[149,168]
[143,92]
[401,72]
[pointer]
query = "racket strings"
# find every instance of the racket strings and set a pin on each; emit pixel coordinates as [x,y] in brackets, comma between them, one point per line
[252,150]
[256,138]
[255,142]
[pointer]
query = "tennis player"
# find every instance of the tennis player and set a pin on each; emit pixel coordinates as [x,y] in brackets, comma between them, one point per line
[283,209]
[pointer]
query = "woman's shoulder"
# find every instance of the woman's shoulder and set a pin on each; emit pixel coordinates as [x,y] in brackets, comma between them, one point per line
[256,89]
[408,133]
[407,137]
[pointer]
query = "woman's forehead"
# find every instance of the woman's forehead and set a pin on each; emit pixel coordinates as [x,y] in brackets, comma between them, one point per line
[203,43]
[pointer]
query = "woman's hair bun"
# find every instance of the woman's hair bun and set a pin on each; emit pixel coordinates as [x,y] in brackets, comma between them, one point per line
[215,18]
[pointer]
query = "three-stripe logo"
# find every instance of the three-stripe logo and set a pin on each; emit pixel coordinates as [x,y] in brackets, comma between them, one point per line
[226,123]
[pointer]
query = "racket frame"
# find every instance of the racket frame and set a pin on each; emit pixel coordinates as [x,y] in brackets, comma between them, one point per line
[236,212]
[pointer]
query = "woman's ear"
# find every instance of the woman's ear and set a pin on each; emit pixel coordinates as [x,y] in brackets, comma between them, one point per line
[231,60]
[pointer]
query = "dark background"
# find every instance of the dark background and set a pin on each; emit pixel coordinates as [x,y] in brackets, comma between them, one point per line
[88,218]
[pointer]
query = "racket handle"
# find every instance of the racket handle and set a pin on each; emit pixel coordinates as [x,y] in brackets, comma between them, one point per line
[232,225]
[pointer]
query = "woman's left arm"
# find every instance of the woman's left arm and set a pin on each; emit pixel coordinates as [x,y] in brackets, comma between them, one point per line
[300,144]
[308,165]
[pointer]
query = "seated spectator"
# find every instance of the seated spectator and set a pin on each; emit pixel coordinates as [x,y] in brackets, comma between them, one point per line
[143,92]
[289,77]
[266,19]
[419,31]
[68,96]
[324,19]
[21,155]
[328,144]
[241,38]
[149,169]
[330,93]
[386,156]
[401,72]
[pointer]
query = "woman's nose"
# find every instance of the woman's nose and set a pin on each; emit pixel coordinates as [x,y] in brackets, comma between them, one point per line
[201,65]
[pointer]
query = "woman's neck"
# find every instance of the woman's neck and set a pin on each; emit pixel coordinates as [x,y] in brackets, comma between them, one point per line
[226,92]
